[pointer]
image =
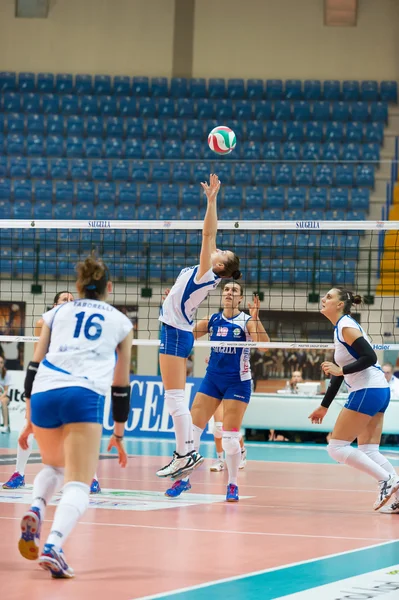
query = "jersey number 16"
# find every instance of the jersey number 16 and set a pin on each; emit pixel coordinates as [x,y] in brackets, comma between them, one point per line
[92,329]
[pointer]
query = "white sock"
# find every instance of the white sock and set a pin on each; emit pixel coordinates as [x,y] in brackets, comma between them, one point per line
[183,424]
[373,451]
[343,452]
[219,455]
[73,504]
[47,482]
[95,476]
[232,450]
[197,432]
[23,456]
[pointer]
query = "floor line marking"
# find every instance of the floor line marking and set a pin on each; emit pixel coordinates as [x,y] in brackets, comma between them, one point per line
[261,572]
[222,531]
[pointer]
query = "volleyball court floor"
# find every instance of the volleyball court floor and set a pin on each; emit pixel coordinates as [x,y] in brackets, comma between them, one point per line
[304,529]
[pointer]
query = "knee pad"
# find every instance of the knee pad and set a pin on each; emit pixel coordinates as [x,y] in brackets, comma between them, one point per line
[231,442]
[76,494]
[176,403]
[218,429]
[339,450]
[369,449]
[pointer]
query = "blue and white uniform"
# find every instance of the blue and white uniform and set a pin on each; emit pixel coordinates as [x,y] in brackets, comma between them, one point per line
[179,309]
[78,369]
[369,391]
[228,375]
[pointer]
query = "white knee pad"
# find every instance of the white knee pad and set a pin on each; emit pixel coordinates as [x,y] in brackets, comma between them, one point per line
[339,450]
[218,430]
[231,442]
[76,494]
[176,403]
[370,449]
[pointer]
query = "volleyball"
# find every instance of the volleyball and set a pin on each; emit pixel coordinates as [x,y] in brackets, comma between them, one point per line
[222,140]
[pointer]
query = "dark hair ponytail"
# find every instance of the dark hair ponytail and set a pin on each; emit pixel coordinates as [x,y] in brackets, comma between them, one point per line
[348,298]
[231,268]
[93,277]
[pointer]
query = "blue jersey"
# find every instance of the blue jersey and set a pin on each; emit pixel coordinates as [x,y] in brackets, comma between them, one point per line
[229,360]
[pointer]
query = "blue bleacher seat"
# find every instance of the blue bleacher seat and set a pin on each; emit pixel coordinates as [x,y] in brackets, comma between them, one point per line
[23,190]
[23,209]
[114,127]
[102,85]
[172,149]
[291,151]
[154,129]
[105,210]
[106,192]
[64,192]
[251,150]
[379,111]
[94,126]
[303,174]
[5,189]
[174,129]
[296,198]
[373,132]
[274,131]
[255,131]
[15,123]
[85,192]
[15,144]
[35,124]
[133,148]
[311,151]
[224,109]
[254,196]
[275,197]
[31,103]
[335,215]
[314,131]
[50,104]
[302,111]
[178,87]
[140,86]
[369,91]
[63,210]
[293,89]
[55,125]
[255,89]
[140,171]
[263,110]
[334,132]
[230,213]
[44,191]
[295,131]
[74,146]
[360,111]
[351,152]
[263,174]
[233,196]
[354,132]
[134,127]
[282,110]
[18,167]
[75,125]
[2,123]
[201,171]
[83,84]
[243,110]
[195,129]
[252,213]
[11,102]
[3,167]
[107,105]
[160,171]
[274,89]
[45,83]
[80,168]
[216,87]
[317,198]
[159,87]
[190,195]
[8,81]
[339,198]
[350,91]
[69,104]
[89,105]
[197,87]
[42,210]
[283,174]
[271,150]
[152,148]
[236,88]
[365,175]
[169,197]
[324,175]
[181,172]
[147,212]
[120,170]
[340,111]
[127,106]
[360,199]
[188,213]
[205,108]
[242,174]
[321,111]
[99,169]
[331,151]
[331,89]
[147,108]
[128,193]
[225,171]
[389,91]
[371,152]
[64,83]
[312,89]
[192,149]
[113,148]
[166,108]
[54,145]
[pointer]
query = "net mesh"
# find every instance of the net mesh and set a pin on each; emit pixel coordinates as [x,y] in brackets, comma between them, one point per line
[291,264]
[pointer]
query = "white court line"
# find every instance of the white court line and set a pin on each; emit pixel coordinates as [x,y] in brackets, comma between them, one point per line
[222,531]
[261,572]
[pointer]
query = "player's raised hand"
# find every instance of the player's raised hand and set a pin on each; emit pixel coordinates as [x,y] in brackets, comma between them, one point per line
[211,190]
[254,307]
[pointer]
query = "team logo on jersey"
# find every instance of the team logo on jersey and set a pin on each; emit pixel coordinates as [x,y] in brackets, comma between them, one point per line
[237,332]
[222,331]
[211,331]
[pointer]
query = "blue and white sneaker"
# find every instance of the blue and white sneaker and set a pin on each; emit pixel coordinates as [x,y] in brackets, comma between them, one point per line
[95,487]
[178,488]
[29,542]
[54,561]
[16,481]
[232,493]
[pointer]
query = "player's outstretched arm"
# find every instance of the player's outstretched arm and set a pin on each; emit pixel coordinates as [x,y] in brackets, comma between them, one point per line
[201,328]
[256,330]
[210,226]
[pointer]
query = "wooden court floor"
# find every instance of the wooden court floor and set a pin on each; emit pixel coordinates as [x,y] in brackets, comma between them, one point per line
[301,523]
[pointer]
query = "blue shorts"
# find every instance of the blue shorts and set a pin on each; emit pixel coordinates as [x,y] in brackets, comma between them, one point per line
[369,401]
[55,408]
[176,342]
[226,388]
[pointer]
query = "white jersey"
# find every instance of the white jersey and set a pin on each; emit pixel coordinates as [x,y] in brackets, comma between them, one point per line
[372,377]
[186,295]
[394,387]
[82,351]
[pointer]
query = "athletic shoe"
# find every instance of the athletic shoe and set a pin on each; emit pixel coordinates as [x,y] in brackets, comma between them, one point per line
[29,542]
[4,429]
[16,481]
[53,560]
[181,465]
[95,487]
[178,488]
[217,466]
[232,493]
[392,508]
[387,489]
[243,458]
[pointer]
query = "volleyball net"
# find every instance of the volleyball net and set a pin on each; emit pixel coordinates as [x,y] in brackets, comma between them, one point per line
[290,264]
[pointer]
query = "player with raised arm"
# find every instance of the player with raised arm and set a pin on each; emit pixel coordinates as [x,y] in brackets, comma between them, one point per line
[84,346]
[177,316]
[362,417]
